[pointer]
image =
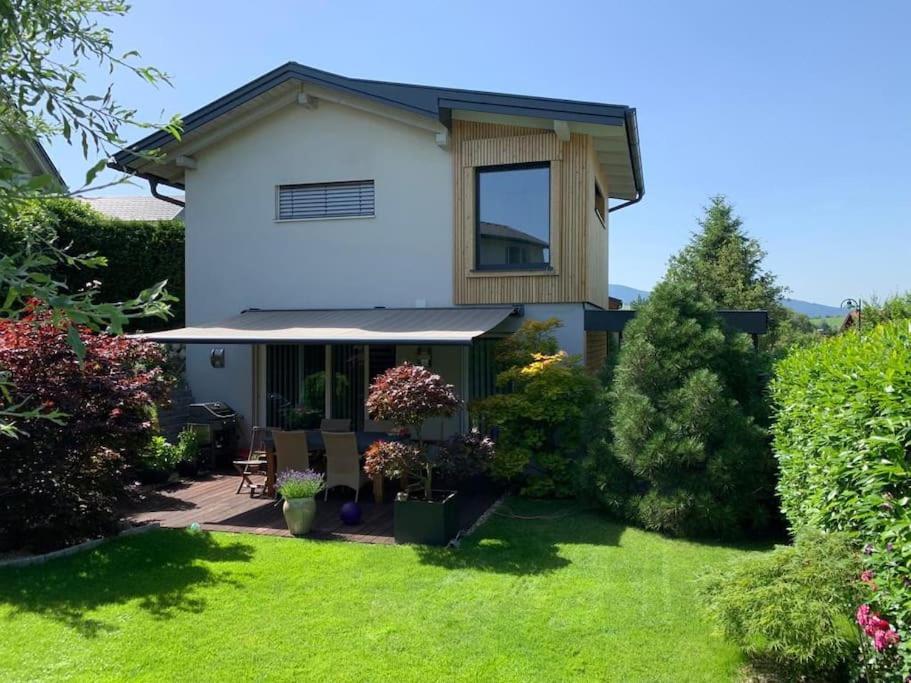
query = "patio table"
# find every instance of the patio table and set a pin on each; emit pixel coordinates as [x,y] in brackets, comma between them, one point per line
[315,445]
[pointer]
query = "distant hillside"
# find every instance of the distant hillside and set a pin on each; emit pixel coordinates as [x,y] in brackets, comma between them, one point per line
[629,294]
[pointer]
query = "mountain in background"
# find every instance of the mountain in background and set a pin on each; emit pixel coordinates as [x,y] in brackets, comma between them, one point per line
[629,294]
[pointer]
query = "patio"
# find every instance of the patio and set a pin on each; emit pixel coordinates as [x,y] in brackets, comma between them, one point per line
[214,504]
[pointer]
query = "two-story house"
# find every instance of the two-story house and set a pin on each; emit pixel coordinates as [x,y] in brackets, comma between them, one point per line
[338,226]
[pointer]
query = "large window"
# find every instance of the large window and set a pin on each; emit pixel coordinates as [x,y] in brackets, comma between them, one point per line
[513,217]
[325,200]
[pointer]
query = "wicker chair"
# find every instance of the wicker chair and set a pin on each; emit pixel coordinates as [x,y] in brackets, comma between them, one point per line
[291,451]
[343,462]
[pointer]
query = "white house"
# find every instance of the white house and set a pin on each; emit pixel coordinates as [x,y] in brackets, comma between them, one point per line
[338,226]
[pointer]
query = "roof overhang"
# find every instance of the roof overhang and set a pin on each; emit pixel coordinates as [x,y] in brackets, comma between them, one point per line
[748,322]
[343,326]
[613,127]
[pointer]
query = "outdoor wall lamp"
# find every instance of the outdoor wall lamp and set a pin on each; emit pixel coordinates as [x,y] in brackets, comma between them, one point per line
[217,358]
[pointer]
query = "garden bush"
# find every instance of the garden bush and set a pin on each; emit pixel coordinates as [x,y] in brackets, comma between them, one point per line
[842,436]
[686,414]
[792,610]
[539,415]
[139,254]
[60,481]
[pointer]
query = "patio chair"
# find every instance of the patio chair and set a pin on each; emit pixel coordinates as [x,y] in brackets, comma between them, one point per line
[256,463]
[343,462]
[291,451]
[335,425]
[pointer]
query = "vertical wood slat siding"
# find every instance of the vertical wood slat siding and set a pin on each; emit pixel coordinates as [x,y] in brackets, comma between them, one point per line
[597,247]
[595,351]
[571,177]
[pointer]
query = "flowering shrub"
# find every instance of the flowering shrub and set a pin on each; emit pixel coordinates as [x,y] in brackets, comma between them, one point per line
[843,438]
[292,484]
[61,480]
[464,455]
[407,396]
[790,610]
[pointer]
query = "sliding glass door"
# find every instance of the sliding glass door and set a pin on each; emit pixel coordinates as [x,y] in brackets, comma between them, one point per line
[295,385]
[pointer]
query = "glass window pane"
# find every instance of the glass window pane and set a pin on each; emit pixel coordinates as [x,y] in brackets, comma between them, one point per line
[514,216]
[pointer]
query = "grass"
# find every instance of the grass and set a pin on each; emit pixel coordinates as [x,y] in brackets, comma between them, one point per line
[833,321]
[573,596]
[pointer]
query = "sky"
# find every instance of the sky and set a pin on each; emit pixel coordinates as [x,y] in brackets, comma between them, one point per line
[798,112]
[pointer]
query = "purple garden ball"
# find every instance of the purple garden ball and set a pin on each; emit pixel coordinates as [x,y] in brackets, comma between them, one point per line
[351,513]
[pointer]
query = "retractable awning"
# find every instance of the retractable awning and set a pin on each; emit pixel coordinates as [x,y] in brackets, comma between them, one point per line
[343,326]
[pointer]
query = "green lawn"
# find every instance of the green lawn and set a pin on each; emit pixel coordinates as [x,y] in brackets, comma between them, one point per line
[571,597]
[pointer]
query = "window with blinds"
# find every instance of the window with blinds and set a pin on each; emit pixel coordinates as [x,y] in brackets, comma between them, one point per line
[326,200]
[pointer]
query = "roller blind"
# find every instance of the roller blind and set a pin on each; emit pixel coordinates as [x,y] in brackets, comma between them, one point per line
[326,200]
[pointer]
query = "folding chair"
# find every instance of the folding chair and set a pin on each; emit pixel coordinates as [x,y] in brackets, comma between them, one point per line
[257,462]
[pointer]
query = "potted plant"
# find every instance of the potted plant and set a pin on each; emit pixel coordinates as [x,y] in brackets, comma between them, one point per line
[298,489]
[188,453]
[157,461]
[407,396]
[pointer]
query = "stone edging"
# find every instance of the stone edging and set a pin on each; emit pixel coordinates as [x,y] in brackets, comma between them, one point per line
[73,549]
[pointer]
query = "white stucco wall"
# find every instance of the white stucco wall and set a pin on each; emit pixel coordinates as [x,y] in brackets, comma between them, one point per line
[238,256]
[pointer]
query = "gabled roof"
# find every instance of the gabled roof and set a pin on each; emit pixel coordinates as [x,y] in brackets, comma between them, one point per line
[511,234]
[142,208]
[32,154]
[430,102]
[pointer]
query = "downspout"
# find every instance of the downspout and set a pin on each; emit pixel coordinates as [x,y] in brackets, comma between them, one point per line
[632,140]
[153,188]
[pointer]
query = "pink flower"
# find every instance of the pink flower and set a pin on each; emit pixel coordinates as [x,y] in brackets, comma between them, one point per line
[863,615]
[867,577]
[884,639]
[877,628]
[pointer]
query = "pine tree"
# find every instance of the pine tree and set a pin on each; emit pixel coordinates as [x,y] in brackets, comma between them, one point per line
[683,403]
[726,265]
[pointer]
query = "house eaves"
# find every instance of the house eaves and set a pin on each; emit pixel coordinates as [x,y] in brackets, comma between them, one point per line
[427,101]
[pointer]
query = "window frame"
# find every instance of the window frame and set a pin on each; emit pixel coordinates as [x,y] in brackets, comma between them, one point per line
[354,216]
[601,218]
[512,267]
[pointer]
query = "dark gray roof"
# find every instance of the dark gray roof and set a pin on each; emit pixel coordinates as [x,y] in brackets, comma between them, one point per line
[429,101]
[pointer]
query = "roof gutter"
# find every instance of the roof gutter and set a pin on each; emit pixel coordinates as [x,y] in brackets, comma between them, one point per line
[153,188]
[632,140]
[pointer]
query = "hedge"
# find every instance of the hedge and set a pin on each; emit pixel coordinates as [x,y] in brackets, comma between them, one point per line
[842,436]
[139,253]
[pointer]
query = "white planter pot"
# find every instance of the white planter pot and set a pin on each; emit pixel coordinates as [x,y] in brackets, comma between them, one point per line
[299,514]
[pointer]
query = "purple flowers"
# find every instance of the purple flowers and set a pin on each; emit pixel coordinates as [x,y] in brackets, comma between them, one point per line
[293,484]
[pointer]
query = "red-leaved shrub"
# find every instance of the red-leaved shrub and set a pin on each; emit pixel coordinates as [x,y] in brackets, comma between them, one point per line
[60,483]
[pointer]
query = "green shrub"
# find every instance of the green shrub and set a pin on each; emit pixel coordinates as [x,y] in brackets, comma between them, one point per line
[842,436]
[539,415]
[792,609]
[159,456]
[139,253]
[686,418]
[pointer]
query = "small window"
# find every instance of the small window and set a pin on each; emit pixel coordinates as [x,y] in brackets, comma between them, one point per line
[599,204]
[326,200]
[513,209]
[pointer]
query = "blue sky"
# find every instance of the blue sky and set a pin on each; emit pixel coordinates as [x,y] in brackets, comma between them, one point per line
[800,112]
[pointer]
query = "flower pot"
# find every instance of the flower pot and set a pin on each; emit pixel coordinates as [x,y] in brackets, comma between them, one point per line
[299,514]
[433,522]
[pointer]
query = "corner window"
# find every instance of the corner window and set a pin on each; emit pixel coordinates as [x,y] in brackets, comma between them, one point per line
[325,200]
[513,217]
[599,204]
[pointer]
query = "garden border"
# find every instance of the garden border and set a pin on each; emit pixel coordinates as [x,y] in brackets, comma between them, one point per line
[73,549]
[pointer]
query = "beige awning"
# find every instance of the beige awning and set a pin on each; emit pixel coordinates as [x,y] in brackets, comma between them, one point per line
[343,326]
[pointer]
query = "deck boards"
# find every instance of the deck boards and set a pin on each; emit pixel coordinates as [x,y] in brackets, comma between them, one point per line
[213,504]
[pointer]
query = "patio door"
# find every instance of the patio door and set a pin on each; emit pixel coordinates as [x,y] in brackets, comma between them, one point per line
[348,387]
[295,385]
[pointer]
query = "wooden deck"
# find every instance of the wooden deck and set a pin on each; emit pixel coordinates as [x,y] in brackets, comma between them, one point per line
[214,504]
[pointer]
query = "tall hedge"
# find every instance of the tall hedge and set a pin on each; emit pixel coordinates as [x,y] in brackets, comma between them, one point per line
[842,436]
[139,253]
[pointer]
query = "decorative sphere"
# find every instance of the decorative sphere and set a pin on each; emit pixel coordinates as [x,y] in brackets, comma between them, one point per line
[351,513]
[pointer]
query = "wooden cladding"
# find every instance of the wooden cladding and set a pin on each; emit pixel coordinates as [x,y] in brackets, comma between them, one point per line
[519,149]
[595,351]
[576,274]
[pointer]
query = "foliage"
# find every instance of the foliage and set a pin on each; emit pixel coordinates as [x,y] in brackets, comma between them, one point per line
[897,307]
[293,484]
[464,455]
[685,417]
[545,597]
[725,265]
[842,436]
[408,395]
[131,255]
[60,482]
[539,414]
[159,456]
[791,610]
[394,459]
[43,45]
[187,447]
